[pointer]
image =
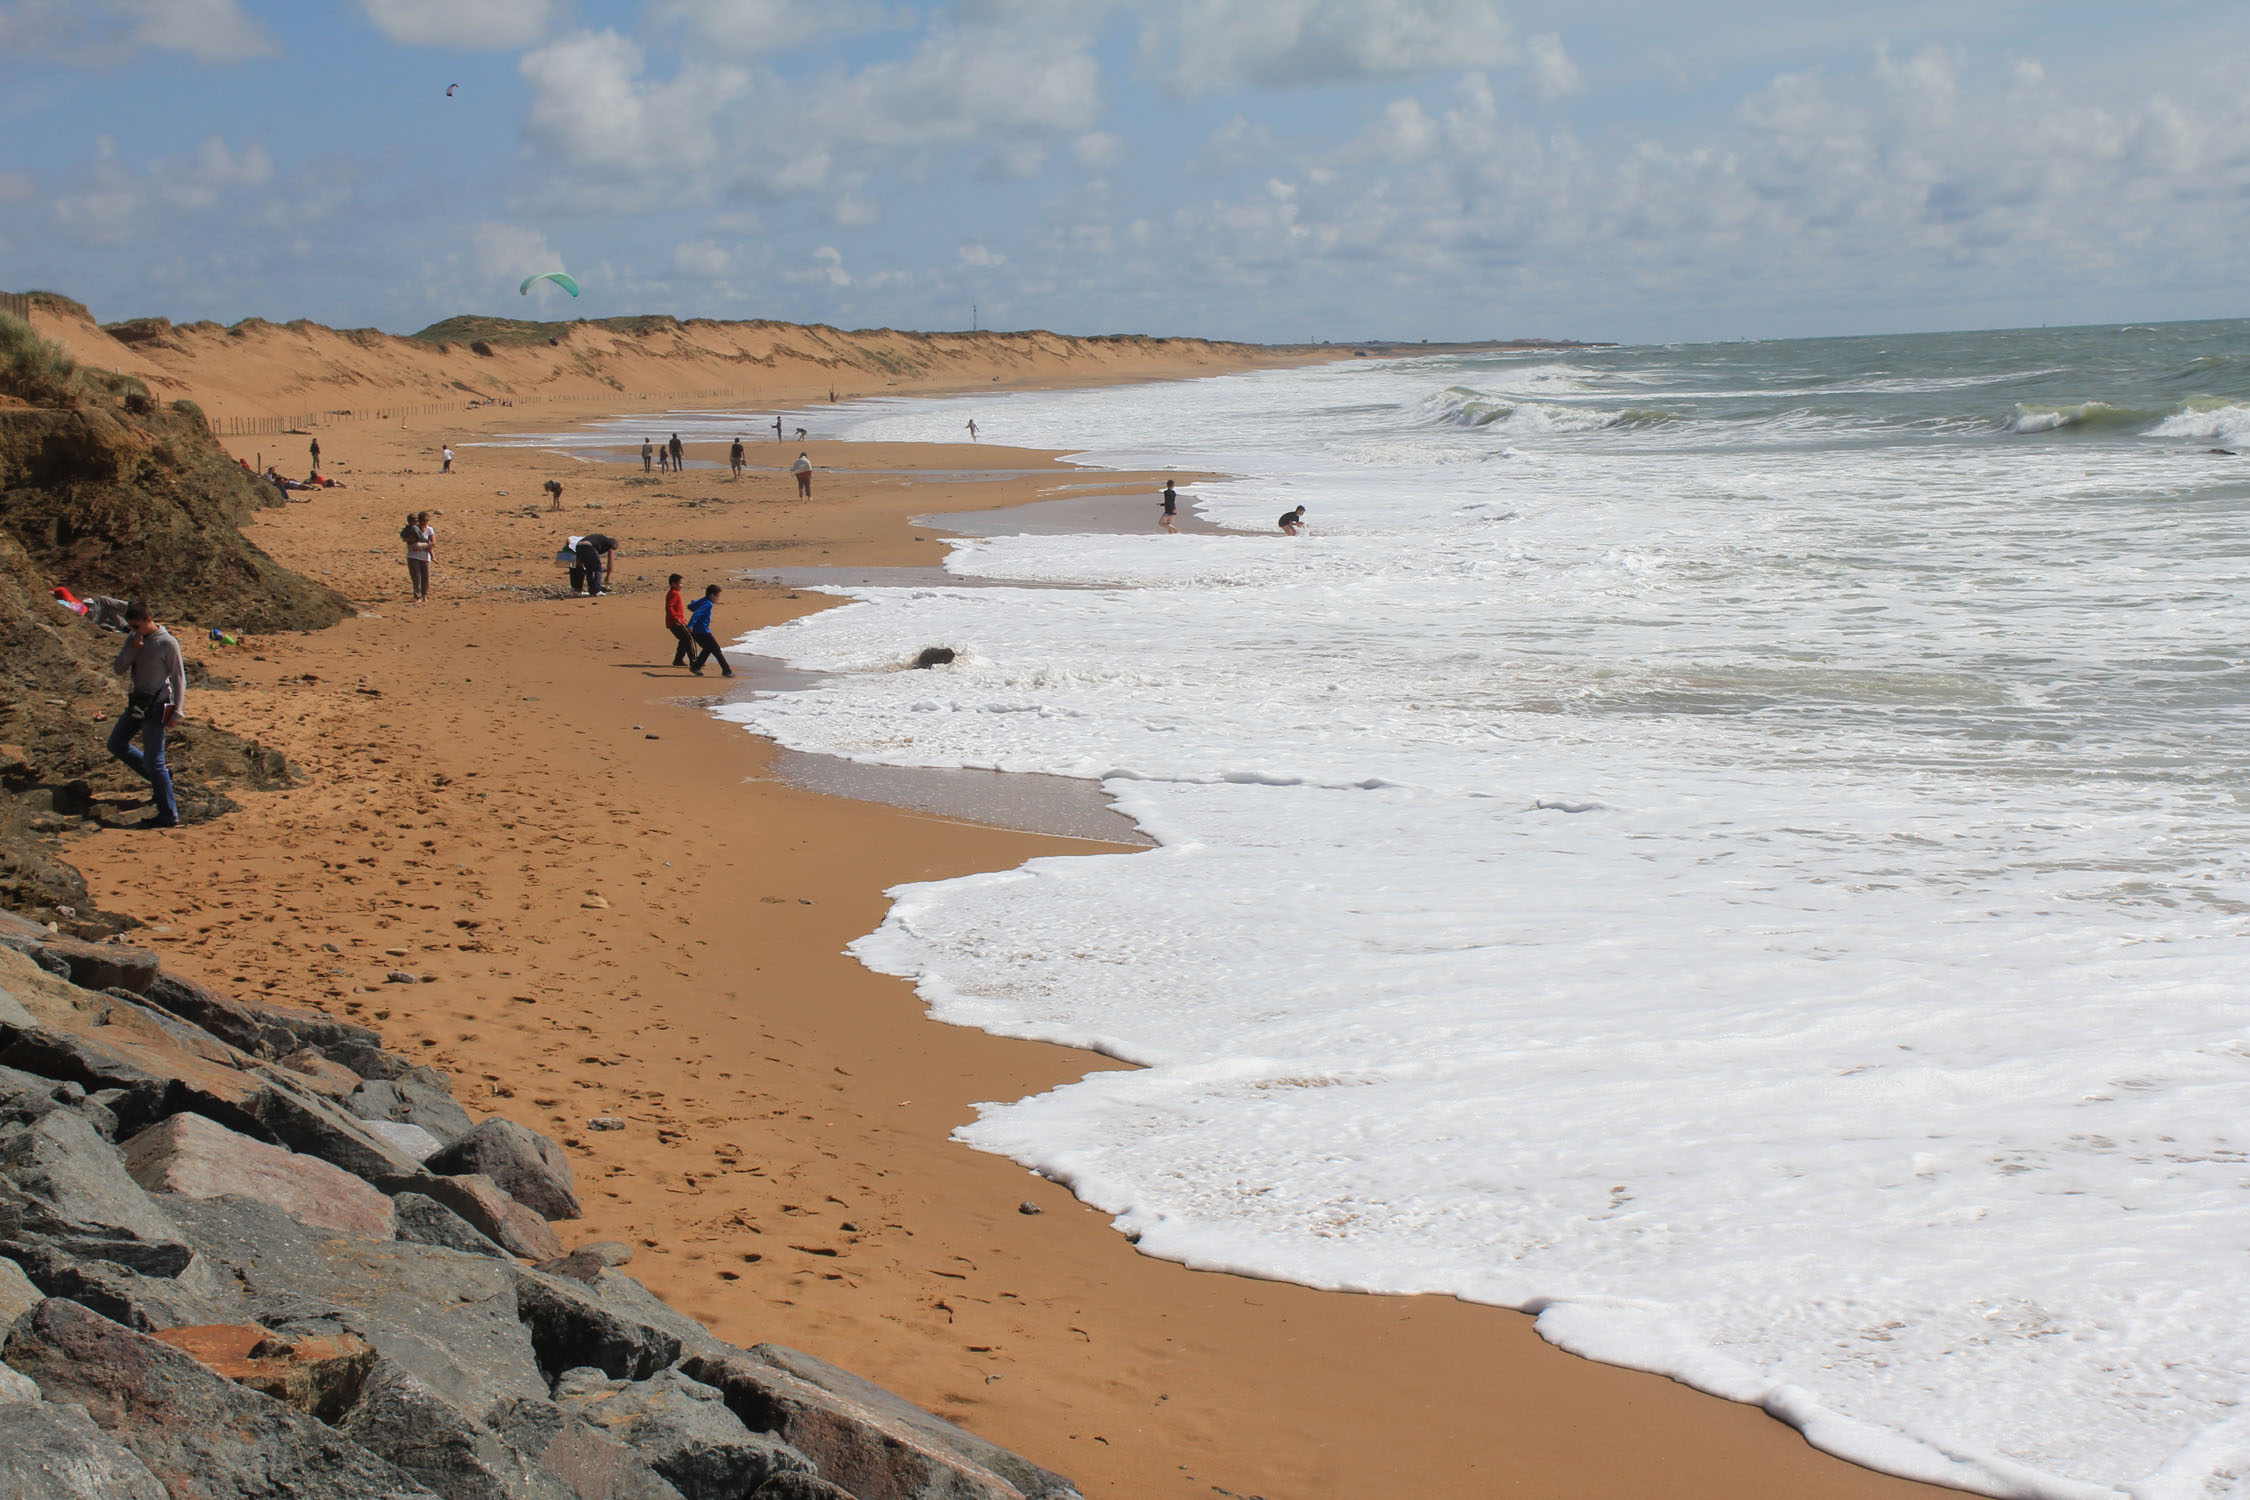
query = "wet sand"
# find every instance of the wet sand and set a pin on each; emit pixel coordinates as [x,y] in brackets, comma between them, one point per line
[620,906]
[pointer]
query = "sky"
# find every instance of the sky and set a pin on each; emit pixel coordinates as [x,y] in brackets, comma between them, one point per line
[1276,170]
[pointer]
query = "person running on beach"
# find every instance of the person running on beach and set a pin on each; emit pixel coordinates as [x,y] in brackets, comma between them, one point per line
[675,620]
[1293,521]
[679,456]
[734,458]
[445,465]
[802,468]
[972,429]
[553,488]
[421,546]
[648,456]
[699,627]
[1170,517]
[157,688]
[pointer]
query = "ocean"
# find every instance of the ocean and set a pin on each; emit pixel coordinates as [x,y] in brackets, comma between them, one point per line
[1740,850]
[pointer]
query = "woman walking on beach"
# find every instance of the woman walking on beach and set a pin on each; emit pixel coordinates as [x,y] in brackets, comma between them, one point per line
[421,548]
[802,468]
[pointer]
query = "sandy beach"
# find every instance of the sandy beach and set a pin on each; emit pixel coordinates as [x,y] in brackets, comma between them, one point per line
[611,906]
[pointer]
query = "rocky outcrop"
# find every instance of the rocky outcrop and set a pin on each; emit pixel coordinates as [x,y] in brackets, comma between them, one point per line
[218,1281]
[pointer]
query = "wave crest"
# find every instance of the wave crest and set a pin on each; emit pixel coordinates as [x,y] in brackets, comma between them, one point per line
[2088,414]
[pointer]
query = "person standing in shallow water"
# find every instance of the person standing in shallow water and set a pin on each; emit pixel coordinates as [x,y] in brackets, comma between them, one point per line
[1170,516]
[156,684]
[699,626]
[802,468]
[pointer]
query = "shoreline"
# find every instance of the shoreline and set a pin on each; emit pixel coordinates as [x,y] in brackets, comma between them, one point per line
[787,1163]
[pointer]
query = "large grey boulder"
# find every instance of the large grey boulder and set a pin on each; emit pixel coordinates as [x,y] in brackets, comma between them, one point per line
[873,1444]
[259,1029]
[53,1451]
[414,1096]
[148,1303]
[594,1465]
[61,1183]
[17,1294]
[1035,1482]
[99,966]
[572,1328]
[447,1319]
[303,1121]
[528,1166]
[426,1221]
[199,1158]
[683,1428]
[403,1420]
[515,1228]
[198,1432]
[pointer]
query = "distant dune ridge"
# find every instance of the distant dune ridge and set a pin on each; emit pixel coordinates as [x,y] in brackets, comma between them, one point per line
[260,370]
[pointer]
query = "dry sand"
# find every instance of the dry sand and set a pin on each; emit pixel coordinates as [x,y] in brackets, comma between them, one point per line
[617,913]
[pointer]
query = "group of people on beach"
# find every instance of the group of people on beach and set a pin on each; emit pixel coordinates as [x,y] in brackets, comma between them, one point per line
[671,457]
[691,628]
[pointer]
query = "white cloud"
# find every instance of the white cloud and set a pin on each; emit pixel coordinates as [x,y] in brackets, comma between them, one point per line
[591,106]
[827,269]
[1238,143]
[512,251]
[957,86]
[1553,75]
[976,256]
[707,260]
[102,32]
[1098,150]
[113,204]
[483,25]
[1214,45]
[744,28]
[851,211]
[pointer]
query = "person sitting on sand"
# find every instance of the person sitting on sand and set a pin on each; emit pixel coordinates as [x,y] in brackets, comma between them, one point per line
[734,458]
[675,620]
[1169,519]
[699,626]
[648,456]
[802,468]
[1293,521]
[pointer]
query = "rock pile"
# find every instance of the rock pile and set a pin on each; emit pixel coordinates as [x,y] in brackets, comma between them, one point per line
[247,1252]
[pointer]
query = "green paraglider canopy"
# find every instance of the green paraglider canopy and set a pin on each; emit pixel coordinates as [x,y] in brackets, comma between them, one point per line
[559,278]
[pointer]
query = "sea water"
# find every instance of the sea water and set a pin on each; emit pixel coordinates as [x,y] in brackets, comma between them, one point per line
[1742,851]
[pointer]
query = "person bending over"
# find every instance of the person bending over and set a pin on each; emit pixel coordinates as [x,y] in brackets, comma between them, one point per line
[1293,521]
[596,554]
[156,686]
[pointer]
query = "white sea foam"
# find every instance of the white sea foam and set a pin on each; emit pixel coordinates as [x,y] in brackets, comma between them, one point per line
[1777,914]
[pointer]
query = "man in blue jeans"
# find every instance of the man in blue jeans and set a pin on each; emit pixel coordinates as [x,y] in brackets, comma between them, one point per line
[157,682]
[699,627]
